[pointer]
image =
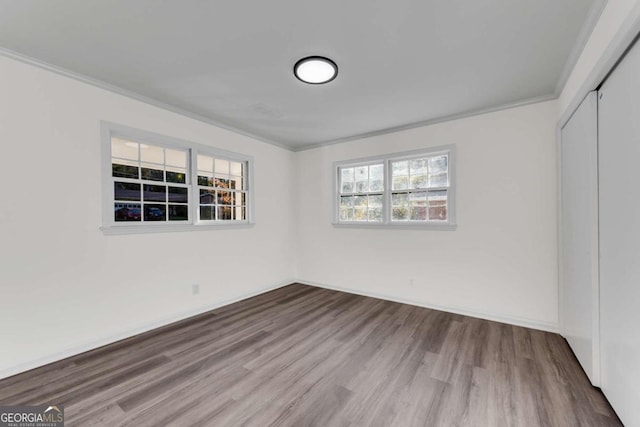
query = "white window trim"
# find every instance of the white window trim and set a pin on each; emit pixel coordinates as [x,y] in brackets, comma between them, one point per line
[386,159]
[110,227]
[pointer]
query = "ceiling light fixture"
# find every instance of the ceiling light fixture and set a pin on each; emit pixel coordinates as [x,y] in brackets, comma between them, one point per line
[315,70]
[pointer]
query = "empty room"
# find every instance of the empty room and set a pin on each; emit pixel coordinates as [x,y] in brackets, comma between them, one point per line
[287,213]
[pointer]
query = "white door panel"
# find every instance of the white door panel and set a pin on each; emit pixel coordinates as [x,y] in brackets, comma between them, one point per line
[619,171]
[579,227]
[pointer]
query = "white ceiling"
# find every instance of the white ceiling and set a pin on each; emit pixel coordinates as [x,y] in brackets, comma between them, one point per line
[401,62]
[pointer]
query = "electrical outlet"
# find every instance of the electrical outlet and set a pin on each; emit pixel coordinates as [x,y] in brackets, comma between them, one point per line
[195,289]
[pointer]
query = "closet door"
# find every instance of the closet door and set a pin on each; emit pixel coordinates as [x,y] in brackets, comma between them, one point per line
[619,171]
[579,235]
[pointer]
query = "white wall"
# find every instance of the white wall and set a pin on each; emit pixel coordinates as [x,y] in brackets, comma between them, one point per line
[64,286]
[501,261]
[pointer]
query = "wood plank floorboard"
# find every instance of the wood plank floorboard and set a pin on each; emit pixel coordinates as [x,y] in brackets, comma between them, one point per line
[304,356]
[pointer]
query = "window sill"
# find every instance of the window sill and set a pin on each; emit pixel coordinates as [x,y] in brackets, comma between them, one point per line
[170,228]
[398,226]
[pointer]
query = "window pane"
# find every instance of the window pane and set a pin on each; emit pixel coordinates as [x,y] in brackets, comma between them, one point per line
[399,213]
[362,179]
[176,158]
[177,176]
[438,205]
[221,182]
[438,164]
[347,180]
[244,199]
[224,212]
[207,197]
[346,175]
[120,170]
[418,166]
[236,168]
[151,154]
[400,182]
[205,181]
[438,213]
[156,193]
[418,181]
[418,213]
[207,213]
[126,191]
[152,174]
[376,172]
[178,195]
[375,201]
[348,187]
[225,197]
[236,212]
[360,201]
[362,186]
[360,214]
[418,206]
[376,185]
[440,180]
[235,182]
[205,163]
[154,212]
[418,199]
[222,167]
[375,214]
[127,212]
[124,149]
[178,213]
[362,173]
[400,168]
[346,202]
[399,199]
[346,214]
[400,207]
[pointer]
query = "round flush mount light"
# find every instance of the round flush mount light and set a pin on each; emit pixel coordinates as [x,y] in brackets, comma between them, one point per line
[315,70]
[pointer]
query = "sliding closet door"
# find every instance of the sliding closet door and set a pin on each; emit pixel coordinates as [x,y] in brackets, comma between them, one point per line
[579,235]
[619,170]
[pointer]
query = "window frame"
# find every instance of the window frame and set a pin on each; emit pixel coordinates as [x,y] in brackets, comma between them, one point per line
[386,160]
[110,226]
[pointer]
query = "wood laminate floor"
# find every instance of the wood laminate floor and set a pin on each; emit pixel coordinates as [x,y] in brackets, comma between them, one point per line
[303,356]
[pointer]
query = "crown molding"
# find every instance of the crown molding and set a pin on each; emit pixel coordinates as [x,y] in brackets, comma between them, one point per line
[593,16]
[429,122]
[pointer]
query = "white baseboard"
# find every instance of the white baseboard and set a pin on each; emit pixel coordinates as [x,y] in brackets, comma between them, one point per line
[73,351]
[512,320]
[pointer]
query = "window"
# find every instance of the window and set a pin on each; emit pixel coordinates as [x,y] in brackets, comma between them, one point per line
[149,182]
[404,189]
[155,183]
[221,189]
[361,193]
